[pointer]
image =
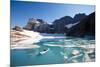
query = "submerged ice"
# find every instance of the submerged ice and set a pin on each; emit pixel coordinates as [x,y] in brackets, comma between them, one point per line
[54,50]
[74,49]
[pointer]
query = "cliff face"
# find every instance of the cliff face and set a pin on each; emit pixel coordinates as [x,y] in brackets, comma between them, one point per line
[79,17]
[79,25]
[61,24]
[32,24]
[85,27]
[17,28]
[38,25]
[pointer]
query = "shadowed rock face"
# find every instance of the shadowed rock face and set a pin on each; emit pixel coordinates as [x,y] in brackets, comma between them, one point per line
[60,24]
[85,27]
[79,17]
[17,28]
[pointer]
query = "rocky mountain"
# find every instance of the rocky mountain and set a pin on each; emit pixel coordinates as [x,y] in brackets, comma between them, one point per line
[32,24]
[59,24]
[67,21]
[38,25]
[79,17]
[17,28]
[85,27]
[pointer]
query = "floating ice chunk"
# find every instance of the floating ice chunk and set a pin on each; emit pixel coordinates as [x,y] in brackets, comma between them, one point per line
[86,58]
[53,45]
[75,52]
[52,37]
[65,57]
[74,61]
[92,46]
[90,51]
[73,57]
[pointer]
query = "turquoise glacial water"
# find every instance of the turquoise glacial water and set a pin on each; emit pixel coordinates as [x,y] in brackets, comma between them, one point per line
[58,51]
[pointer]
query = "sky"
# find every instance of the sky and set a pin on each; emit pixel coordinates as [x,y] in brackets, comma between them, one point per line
[21,11]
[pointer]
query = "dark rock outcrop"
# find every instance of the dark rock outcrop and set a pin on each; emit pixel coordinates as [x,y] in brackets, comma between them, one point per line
[32,24]
[60,24]
[17,28]
[37,25]
[79,17]
[85,27]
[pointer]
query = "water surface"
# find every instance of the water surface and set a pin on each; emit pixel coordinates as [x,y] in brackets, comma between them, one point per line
[60,51]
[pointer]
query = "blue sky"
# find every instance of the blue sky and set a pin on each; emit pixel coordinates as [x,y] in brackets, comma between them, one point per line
[21,11]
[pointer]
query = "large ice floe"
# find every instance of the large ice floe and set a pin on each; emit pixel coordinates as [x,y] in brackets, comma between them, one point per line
[24,39]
